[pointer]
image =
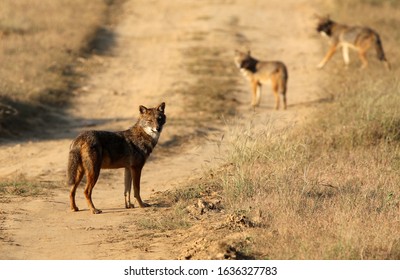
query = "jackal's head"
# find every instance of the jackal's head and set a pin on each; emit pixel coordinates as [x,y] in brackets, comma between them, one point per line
[239,57]
[324,25]
[152,120]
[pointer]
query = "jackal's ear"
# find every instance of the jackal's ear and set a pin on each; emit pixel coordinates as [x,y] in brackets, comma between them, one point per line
[161,107]
[142,109]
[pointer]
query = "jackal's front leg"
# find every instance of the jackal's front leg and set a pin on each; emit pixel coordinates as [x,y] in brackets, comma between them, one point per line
[256,93]
[346,56]
[128,187]
[136,173]
[328,56]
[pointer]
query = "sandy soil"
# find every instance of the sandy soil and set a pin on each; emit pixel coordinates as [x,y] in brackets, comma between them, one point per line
[147,66]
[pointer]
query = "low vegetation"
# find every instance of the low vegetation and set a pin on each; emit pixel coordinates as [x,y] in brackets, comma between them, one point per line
[328,189]
[21,187]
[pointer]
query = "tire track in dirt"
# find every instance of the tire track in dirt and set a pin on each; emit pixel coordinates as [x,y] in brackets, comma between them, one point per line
[148,66]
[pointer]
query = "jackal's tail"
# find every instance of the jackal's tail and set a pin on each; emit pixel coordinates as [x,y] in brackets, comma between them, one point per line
[379,51]
[74,165]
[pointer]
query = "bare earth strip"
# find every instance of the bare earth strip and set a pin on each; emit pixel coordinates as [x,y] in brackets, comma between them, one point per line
[147,66]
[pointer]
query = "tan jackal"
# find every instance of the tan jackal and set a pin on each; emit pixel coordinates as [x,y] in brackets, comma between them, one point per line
[358,38]
[129,149]
[261,72]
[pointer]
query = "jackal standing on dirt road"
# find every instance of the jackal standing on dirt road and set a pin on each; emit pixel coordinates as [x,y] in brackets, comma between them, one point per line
[358,38]
[261,72]
[129,149]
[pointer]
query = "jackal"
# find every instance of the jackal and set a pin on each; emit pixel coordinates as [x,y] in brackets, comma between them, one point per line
[261,72]
[129,149]
[358,38]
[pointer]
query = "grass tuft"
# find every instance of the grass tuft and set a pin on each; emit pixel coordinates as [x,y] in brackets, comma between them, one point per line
[25,188]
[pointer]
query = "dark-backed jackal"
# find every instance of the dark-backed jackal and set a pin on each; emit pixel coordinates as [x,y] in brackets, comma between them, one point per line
[261,72]
[358,38]
[129,149]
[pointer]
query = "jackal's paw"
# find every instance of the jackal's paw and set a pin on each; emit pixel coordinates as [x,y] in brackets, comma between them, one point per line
[96,211]
[74,209]
[130,205]
[320,66]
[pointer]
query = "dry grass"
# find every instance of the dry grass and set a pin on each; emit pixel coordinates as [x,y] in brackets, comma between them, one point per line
[315,202]
[39,44]
[166,222]
[328,190]
[21,187]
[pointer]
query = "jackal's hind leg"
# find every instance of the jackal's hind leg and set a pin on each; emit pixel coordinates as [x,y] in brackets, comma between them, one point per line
[284,100]
[363,58]
[74,186]
[91,177]
[72,198]
[275,87]
[282,89]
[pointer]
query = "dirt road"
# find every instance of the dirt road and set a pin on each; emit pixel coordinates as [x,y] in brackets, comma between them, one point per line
[149,65]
